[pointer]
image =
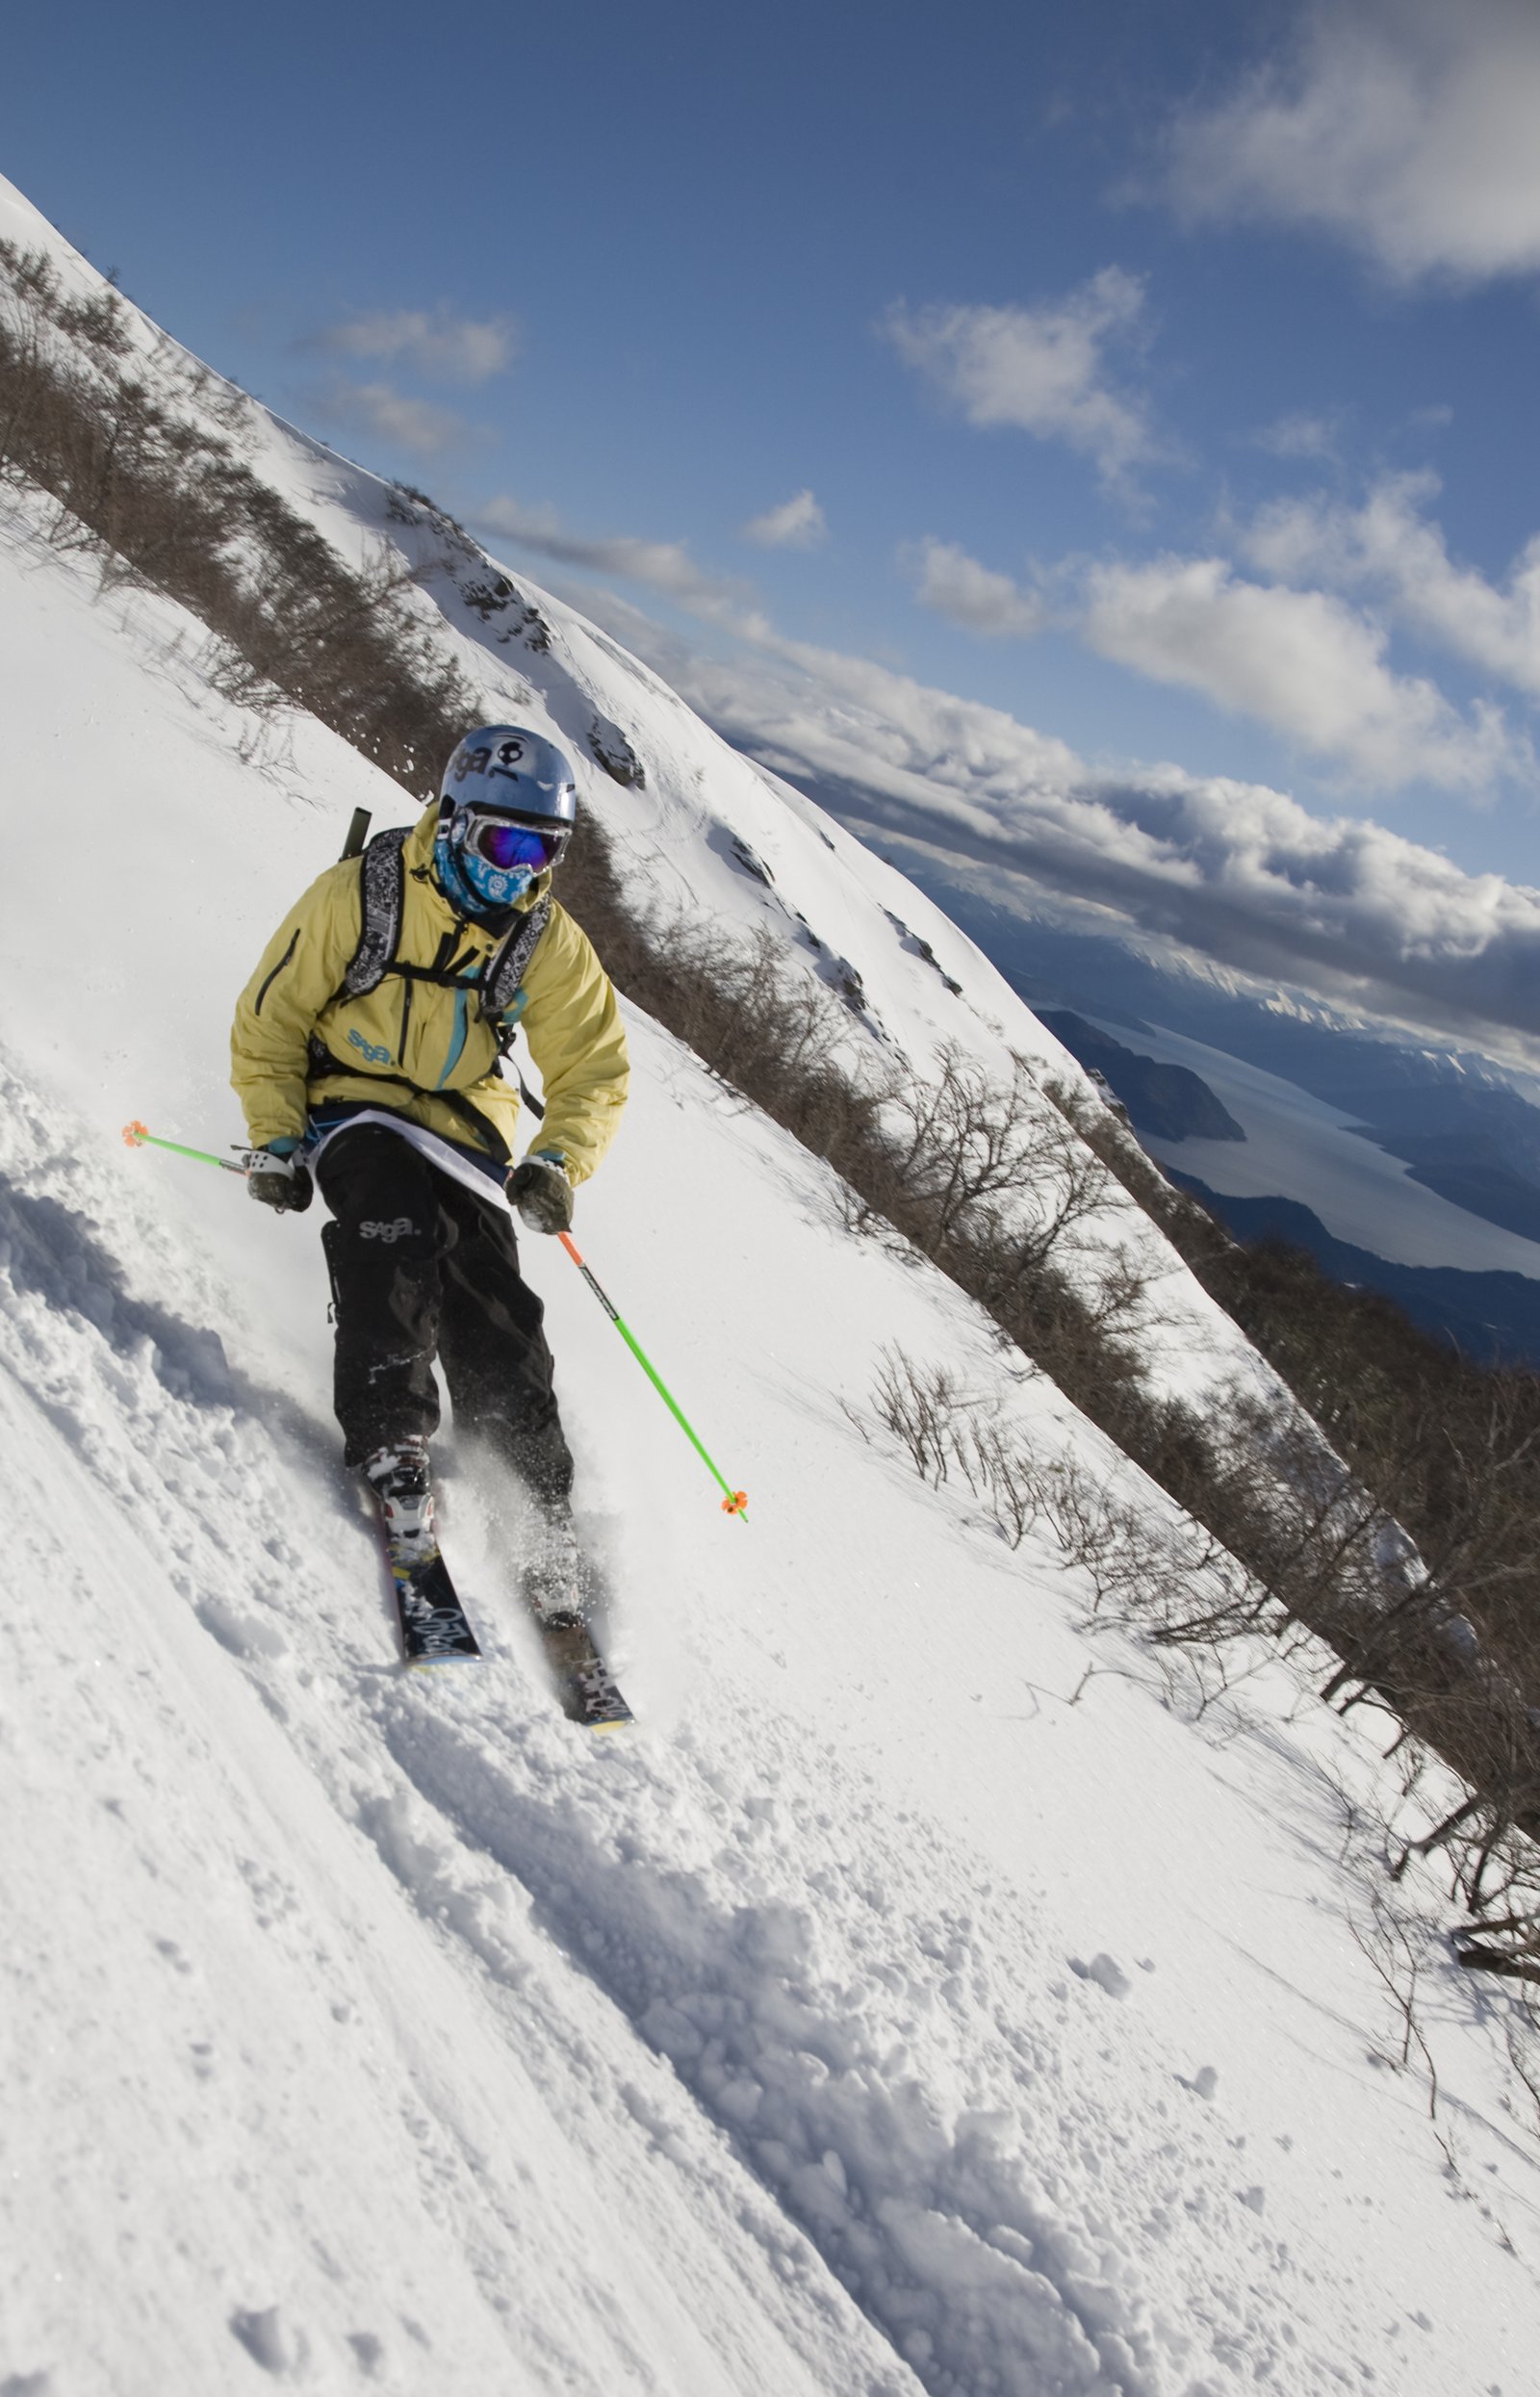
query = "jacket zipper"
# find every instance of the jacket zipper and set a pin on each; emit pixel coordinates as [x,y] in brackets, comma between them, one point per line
[457,1043]
[276,972]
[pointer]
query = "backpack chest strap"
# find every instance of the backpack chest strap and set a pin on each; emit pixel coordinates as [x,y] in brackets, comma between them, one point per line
[383,905]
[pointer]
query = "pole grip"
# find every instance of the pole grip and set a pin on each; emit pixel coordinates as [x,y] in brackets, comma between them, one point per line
[358,835]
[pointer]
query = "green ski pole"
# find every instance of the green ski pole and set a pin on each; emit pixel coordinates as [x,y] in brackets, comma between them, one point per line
[737,1502]
[136,1135]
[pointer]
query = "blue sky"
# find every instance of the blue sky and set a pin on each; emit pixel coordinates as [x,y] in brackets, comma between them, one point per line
[1163,373]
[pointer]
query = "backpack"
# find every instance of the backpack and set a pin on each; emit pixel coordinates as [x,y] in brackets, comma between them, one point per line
[383,901]
[382,904]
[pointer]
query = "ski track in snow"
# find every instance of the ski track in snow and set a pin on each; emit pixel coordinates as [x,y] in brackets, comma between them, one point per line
[761,1991]
[208,1482]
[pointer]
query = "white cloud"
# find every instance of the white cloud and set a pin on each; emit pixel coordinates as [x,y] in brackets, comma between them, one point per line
[1040,370]
[798,524]
[1233,870]
[665,566]
[380,411]
[1390,547]
[440,344]
[1299,436]
[1405,127]
[958,586]
[1302,662]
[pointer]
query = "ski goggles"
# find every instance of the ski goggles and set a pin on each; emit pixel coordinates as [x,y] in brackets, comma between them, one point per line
[503,845]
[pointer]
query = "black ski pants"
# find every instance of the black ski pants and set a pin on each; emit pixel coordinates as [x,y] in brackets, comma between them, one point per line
[422,1266]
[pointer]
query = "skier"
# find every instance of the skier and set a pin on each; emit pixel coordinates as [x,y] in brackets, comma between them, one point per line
[367,1048]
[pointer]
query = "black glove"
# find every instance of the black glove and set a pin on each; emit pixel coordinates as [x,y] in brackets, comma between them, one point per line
[540,1192]
[280,1182]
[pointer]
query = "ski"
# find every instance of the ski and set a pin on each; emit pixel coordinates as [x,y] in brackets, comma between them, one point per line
[435,1628]
[584,1684]
[559,1586]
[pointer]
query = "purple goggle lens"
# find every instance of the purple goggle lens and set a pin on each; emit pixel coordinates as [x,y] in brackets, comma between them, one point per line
[505,845]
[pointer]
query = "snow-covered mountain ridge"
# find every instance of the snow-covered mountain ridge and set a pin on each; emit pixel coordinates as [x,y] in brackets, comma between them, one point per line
[898,2009]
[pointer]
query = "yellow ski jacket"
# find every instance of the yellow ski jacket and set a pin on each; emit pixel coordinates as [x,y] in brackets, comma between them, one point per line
[423,1049]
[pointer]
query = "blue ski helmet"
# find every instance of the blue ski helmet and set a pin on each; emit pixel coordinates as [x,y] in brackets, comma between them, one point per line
[507,805]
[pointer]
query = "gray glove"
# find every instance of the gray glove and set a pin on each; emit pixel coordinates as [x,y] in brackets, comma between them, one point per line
[278,1181]
[540,1192]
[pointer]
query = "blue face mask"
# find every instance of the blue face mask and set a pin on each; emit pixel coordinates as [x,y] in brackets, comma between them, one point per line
[485,865]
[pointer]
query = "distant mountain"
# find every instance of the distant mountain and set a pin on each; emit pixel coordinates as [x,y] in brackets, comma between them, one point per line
[1459,1119]
[1494,1318]
[1170,1102]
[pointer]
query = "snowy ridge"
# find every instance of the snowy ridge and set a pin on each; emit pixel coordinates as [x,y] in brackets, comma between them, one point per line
[897,2008]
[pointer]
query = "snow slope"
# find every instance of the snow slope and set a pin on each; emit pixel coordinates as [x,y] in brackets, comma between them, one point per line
[894,2009]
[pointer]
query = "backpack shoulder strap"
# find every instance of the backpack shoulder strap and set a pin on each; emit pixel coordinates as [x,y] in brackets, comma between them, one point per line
[382,897]
[511,963]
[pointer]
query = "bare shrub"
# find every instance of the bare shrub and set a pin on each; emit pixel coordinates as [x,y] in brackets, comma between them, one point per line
[1392,1950]
[768,1029]
[235,677]
[930,1413]
[1190,1227]
[1165,1579]
[158,498]
[1007,1469]
[1509,1944]
[981,1167]
[991,1182]
[941,1424]
[99,319]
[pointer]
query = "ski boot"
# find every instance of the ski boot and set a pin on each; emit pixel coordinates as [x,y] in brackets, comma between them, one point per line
[434,1627]
[555,1576]
[402,1479]
[556,1585]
